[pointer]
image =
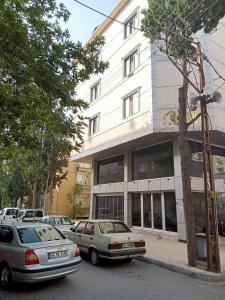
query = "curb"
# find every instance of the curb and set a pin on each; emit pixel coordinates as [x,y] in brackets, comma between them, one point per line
[189,271]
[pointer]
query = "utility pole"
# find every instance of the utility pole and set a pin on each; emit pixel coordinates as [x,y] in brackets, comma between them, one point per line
[211,220]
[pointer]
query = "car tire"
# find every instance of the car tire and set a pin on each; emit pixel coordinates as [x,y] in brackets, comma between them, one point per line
[5,276]
[128,259]
[95,260]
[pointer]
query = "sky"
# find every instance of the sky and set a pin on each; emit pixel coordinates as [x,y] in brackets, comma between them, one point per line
[82,20]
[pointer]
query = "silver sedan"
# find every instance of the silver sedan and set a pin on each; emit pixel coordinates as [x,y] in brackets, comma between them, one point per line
[35,252]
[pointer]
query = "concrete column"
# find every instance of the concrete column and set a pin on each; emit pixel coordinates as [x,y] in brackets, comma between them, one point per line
[179,192]
[127,178]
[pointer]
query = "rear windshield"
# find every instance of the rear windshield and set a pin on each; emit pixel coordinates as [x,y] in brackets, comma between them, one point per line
[113,227]
[39,234]
[11,212]
[34,213]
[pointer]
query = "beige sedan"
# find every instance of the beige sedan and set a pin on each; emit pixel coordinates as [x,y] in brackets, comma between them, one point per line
[107,239]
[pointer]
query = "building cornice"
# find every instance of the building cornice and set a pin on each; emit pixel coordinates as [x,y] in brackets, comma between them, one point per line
[101,28]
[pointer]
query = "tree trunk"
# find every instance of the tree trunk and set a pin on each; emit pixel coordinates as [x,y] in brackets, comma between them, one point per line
[46,200]
[35,187]
[185,171]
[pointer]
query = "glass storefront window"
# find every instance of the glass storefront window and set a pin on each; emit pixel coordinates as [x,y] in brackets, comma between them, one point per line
[153,162]
[170,212]
[136,209]
[110,207]
[157,211]
[110,170]
[147,210]
[197,161]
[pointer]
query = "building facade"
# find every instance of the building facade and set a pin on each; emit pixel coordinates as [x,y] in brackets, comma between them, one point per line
[64,198]
[132,136]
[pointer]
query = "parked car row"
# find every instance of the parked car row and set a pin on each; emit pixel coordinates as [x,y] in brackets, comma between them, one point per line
[35,247]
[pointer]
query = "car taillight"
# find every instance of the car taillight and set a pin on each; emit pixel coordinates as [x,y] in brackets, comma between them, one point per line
[77,253]
[140,244]
[31,258]
[114,246]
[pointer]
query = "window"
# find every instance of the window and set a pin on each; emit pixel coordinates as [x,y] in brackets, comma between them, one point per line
[89,229]
[153,162]
[6,235]
[130,25]
[110,170]
[93,125]
[110,207]
[95,91]
[131,105]
[80,227]
[39,234]
[113,227]
[131,62]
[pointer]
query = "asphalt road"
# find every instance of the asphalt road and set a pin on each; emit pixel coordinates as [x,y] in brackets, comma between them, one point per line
[115,281]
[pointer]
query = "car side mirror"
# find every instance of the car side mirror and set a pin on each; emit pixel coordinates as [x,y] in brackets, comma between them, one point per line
[73,223]
[72,229]
[14,217]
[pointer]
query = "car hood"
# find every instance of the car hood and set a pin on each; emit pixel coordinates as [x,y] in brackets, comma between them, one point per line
[124,237]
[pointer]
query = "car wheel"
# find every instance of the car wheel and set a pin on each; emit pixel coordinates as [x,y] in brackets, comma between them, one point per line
[5,276]
[128,259]
[95,260]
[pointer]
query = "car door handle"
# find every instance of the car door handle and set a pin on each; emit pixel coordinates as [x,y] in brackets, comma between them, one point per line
[91,238]
[79,235]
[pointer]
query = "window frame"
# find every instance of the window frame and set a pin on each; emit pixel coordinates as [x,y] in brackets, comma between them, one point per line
[131,106]
[127,57]
[92,87]
[10,230]
[90,128]
[134,14]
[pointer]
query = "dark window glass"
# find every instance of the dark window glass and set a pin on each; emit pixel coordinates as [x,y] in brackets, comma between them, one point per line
[153,162]
[6,235]
[136,209]
[157,211]
[147,210]
[110,207]
[170,212]
[80,227]
[11,212]
[196,159]
[111,170]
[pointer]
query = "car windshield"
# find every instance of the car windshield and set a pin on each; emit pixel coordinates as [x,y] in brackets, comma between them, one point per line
[11,212]
[38,234]
[65,221]
[34,213]
[113,227]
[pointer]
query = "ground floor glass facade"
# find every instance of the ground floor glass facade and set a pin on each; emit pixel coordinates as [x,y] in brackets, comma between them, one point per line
[110,207]
[154,211]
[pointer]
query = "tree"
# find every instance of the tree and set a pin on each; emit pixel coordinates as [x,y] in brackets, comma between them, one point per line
[171,25]
[40,68]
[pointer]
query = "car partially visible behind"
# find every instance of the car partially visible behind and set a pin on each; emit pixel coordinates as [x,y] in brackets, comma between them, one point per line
[35,252]
[30,215]
[9,213]
[62,223]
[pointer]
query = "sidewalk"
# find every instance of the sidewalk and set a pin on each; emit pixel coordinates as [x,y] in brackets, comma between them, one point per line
[168,252]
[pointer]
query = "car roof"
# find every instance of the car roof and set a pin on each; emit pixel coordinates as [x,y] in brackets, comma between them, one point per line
[55,216]
[31,209]
[24,225]
[100,220]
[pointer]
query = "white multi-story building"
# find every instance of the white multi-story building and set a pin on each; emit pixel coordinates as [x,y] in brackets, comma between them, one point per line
[131,141]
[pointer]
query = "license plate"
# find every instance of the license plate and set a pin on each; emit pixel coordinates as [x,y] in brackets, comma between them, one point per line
[58,254]
[128,245]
